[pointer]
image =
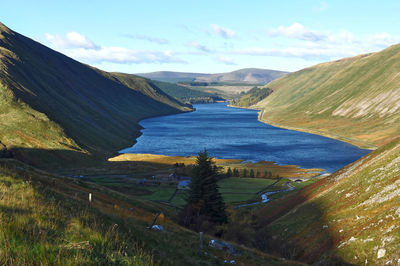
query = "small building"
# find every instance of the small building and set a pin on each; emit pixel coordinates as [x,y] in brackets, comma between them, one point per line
[183,184]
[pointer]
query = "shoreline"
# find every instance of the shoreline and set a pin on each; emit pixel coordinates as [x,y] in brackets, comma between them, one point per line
[359,144]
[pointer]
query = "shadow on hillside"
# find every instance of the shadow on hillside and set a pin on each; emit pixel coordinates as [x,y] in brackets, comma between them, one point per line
[298,232]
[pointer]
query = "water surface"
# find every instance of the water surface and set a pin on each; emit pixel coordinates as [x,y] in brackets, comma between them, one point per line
[233,133]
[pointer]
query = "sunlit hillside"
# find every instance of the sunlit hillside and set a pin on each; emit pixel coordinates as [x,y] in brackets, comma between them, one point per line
[354,99]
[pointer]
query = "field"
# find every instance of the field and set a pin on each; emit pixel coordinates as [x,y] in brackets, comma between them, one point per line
[147,177]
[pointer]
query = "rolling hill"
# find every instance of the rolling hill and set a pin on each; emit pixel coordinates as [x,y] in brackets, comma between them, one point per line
[52,106]
[354,99]
[172,77]
[242,76]
[246,75]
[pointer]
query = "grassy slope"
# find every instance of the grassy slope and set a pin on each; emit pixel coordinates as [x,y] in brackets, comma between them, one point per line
[355,99]
[52,102]
[350,215]
[151,88]
[253,96]
[48,219]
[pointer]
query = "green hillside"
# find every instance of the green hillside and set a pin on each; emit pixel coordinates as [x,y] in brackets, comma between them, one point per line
[253,96]
[350,217]
[185,94]
[52,106]
[171,90]
[355,99]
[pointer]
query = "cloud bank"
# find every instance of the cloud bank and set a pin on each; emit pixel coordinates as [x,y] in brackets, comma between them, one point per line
[80,47]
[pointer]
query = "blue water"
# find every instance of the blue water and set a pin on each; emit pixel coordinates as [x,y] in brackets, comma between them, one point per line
[233,133]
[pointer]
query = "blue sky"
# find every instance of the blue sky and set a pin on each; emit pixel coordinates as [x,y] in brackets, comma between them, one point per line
[206,36]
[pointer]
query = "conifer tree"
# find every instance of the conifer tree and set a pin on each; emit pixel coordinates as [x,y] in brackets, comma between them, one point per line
[251,173]
[204,202]
[229,172]
[244,172]
[235,172]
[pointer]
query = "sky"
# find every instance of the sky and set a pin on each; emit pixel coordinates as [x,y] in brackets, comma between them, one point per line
[208,36]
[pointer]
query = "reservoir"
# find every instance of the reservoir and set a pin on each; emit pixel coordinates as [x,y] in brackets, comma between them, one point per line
[234,133]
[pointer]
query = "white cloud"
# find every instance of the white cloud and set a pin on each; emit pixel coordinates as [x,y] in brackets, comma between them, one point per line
[298,31]
[71,40]
[223,32]
[309,53]
[225,60]
[122,55]
[81,48]
[146,38]
[199,46]
[320,46]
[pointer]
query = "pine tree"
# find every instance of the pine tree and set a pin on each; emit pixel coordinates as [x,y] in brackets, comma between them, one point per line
[244,172]
[235,172]
[204,202]
[229,172]
[251,173]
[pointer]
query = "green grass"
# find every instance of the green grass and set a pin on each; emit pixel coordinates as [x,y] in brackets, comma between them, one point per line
[252,97]
[184,94]
[49,101]
[46,219]
[37,225]
[354,99]
[360,202]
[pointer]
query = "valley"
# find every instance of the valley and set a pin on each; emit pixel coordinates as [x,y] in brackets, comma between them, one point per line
[248,167]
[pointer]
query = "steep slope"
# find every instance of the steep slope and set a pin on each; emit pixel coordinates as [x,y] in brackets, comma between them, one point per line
[253,96]
[51,102]
[351,216]
[246,75]
[355,99]
[174,93]
[147,87]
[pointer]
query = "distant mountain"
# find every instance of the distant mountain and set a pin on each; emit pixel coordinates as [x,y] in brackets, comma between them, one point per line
[247,75]
[172,77]
[355,99]
[50,102]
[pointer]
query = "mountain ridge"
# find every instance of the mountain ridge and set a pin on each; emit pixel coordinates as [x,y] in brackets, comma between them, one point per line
[245,75]
[50,101]
[354,99]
